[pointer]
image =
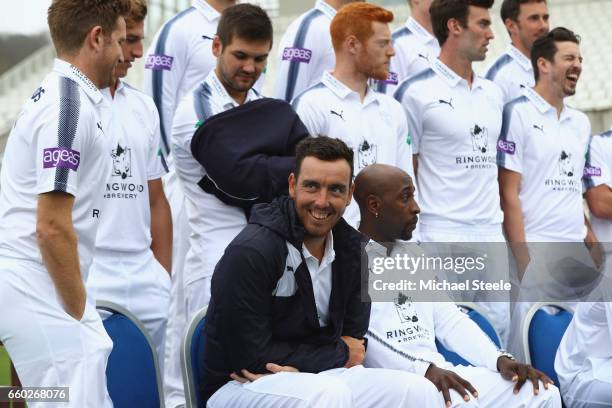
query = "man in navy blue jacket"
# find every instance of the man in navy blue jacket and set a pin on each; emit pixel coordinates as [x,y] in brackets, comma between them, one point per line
[286,320]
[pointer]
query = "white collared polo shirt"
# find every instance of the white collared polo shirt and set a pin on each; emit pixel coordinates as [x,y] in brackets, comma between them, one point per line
[414,47]
[512,72]
[320,276]
[305,52]
[375,129]
[213,224]
[598,171]
[178,59]
[549,153]
[454,130]
[135,157]
[58,144]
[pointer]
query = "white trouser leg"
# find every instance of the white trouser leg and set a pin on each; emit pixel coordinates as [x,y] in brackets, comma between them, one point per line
[284,390]
[174,393]
[136,281]
[197,295]
[379,387]
[47,346]
[495,391]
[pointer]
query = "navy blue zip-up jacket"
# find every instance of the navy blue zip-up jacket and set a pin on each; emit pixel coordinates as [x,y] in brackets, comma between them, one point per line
[247,327]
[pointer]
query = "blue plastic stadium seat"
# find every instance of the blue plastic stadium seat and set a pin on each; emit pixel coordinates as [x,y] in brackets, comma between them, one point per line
[132,372]
[545,333]
[484,325]
[192,356]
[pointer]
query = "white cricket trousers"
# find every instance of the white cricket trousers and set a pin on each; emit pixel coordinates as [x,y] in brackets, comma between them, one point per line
[357,387]
[48,347]
[494,391]
[172,377]
[487,239]
[136,281]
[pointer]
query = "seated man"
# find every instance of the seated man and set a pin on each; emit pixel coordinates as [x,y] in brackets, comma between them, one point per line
[286,296]
[389,213]
[584,357]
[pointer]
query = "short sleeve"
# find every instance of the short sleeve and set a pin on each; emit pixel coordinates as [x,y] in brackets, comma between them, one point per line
[156,162]
[597,167]
[412,111]
[511,143]
[306,108]
[59,142]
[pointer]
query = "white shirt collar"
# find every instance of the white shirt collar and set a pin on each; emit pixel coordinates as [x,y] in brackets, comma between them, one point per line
[326,9]
[420,31]
[206,9]
[342,91]
[520,58]
[70,71]
[543,106]
[221,93]
[328,256]
[451,78]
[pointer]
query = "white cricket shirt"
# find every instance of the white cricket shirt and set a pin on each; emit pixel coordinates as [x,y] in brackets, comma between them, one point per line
[213,224]
[375,129]
[512,72]
[597,171]
[178,59]
[454,130]
[58,143]
[549,153]
[135,157]
[305,52]
[415,48]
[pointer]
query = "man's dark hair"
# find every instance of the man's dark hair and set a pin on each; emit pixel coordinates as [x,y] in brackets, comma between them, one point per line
[323,148]
[546,47]
[443,10]
[510,9]
[245,21]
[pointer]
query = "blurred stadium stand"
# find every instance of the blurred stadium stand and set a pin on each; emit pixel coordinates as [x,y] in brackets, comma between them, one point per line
[588,18]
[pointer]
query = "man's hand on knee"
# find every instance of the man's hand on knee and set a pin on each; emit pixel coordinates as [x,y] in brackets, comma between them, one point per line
[248,376]
[356,351]
[520,373]
[445,380]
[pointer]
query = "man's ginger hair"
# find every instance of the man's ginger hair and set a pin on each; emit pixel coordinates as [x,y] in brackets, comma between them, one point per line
[356,19]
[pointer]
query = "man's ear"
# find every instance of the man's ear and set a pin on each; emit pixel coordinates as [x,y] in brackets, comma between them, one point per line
[352,44]
[454,27]
[373,204]
[94,39]
[217,48]
[292,181]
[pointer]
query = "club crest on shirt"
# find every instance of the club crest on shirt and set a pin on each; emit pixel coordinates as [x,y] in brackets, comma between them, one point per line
[366,154]
[405,309]
[122,161]
[480,139]
[37,94]
[566,167]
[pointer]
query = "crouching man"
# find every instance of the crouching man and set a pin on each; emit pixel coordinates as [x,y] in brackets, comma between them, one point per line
[286,297]
[385,195]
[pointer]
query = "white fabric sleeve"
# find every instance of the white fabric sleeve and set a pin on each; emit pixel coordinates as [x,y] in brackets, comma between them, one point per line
[313,118]
[300,66]
[156,166]
[414,116]
[458,333]
[404,143]
[511,142]
[60,140]
[597,168]
[164,70]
